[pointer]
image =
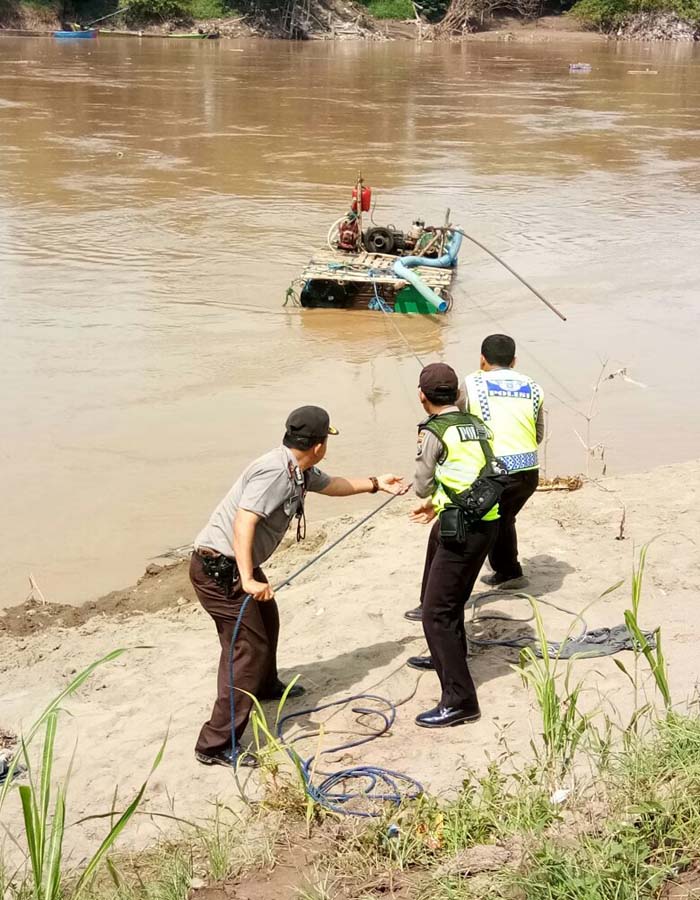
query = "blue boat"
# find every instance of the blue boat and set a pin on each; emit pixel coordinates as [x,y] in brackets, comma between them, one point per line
[87,33]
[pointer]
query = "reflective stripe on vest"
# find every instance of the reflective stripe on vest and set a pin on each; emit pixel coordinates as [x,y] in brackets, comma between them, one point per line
[462,459]
[509,406]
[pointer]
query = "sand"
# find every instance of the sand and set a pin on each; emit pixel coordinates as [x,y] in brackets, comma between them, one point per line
[343,632]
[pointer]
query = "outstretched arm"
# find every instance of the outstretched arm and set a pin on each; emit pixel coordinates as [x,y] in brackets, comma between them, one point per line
[347,487]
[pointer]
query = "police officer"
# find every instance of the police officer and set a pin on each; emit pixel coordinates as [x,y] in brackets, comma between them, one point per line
[242,532]
[451,456]
[511,405]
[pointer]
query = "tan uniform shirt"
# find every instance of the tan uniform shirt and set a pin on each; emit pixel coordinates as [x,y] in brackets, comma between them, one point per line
[270,488]
[427,457]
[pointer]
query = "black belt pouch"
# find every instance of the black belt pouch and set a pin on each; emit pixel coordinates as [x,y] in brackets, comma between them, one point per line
[453,526]
[222,569]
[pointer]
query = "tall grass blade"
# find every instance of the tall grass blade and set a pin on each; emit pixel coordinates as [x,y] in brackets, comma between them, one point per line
[54,854]
[55,704]
[45,779]
[114,874]
[613,587]
[29,813]
[119,826]
[283,700]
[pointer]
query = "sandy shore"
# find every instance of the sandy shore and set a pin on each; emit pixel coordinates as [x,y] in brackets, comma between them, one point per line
[344,632]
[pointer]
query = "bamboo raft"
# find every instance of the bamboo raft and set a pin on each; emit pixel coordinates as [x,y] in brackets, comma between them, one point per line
[366,272]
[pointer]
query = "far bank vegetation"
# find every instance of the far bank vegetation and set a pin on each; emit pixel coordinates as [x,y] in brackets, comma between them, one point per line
[436,19]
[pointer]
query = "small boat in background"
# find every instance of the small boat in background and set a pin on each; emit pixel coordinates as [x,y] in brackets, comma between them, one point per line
[85,34]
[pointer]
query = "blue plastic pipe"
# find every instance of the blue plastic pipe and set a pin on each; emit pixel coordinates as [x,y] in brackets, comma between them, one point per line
[403,266]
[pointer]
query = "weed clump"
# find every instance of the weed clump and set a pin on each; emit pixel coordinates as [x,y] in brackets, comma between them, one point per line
[608,15]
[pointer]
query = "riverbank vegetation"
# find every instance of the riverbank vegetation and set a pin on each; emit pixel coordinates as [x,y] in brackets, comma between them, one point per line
[610,15]
[606,808]
[641,19]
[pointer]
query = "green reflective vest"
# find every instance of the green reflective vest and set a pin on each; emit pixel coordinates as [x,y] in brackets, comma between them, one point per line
[508,403]
[462,458]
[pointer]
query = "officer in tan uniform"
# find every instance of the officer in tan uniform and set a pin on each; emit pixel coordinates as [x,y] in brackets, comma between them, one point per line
[242,532]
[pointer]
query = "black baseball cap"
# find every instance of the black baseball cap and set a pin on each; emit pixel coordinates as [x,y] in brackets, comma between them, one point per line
[307,426]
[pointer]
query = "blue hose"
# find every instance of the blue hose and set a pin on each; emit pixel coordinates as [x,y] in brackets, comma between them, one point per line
[403,266]
[380,785]
[377,785]
[239,620]
[446,261]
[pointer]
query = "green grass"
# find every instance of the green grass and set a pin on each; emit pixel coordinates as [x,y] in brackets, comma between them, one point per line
[152,10]
[211,9]
[609,14]
[390,9]
[652,831]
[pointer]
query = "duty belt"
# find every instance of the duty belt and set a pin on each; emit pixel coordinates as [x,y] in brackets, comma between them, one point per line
[220,568]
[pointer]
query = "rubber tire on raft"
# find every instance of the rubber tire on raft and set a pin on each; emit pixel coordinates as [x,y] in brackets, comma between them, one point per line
[379,240]
[322,293]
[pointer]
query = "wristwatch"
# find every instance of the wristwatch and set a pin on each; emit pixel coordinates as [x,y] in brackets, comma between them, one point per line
[375,484]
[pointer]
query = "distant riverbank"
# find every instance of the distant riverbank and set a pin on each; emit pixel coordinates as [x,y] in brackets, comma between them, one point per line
[355,22]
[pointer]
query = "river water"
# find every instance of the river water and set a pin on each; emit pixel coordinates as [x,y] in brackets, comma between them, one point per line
[159,196]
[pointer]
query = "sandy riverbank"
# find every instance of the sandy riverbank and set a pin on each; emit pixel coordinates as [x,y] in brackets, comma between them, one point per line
[344,632]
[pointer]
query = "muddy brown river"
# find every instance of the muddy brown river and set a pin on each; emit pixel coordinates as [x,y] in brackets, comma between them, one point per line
[159,196]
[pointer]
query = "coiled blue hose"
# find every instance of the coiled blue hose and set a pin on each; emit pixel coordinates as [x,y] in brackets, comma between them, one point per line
[380,785]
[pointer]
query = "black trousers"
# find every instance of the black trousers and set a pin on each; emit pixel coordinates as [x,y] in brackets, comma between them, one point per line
[448,579]
[503,555]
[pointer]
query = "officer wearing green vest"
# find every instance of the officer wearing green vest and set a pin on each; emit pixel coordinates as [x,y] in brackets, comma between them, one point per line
[453,451]
[511,405]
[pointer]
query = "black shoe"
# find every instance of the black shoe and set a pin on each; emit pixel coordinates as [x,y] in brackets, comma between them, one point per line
[225,758]
[414,615]
[422,663]
[444,716]
[507,582]
[276,692]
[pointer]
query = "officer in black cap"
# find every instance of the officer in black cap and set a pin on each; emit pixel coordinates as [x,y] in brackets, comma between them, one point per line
[453,452]
[242,532]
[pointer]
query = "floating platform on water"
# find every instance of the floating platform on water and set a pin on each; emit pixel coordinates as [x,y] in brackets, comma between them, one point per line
[342,280]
